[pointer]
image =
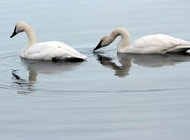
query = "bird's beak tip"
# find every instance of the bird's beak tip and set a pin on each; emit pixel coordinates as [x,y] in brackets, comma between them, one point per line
[98,46]
[14,33]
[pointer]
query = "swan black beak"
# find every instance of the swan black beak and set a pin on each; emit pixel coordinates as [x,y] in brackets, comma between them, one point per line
[14,33]
[98,46]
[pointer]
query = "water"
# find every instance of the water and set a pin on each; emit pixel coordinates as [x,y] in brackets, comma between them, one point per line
[110,96]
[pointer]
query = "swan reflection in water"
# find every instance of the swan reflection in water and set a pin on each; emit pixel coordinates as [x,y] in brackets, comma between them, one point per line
[120,70]
[146,60]
[40,67]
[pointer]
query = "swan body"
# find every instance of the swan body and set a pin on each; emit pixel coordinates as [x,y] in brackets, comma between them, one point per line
[150,44]
[49,50]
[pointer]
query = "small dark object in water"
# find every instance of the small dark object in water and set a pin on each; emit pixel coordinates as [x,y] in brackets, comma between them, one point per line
[15,75]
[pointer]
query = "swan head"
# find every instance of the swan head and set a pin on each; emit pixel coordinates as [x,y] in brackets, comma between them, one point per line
[19,27]
[103,43]
[125,39]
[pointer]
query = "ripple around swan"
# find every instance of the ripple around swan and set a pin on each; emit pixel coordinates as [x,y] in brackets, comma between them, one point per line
[9,60]
[49,77]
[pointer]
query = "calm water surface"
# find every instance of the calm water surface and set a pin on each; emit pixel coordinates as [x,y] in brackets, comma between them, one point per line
[110,96]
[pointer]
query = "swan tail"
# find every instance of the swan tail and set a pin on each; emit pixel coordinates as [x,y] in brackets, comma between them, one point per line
[178,49]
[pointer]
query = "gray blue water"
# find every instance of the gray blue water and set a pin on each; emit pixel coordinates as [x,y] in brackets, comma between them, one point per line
[110,96]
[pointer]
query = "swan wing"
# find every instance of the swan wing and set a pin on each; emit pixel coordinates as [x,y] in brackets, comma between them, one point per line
[52,49]
[159,44]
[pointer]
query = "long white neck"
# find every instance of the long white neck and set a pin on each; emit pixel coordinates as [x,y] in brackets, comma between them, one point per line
[31,37]
[125,38]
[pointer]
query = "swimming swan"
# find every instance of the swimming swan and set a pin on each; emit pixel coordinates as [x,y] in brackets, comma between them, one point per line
[50,50]
[150,44]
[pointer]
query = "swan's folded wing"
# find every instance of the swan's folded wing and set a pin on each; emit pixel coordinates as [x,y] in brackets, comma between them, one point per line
[157,43]
[52,49]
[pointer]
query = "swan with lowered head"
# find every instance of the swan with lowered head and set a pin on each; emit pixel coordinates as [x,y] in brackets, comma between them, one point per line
[50,50]
[150,44]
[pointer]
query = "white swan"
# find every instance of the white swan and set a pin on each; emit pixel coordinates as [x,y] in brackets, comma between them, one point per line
[50,50]
[151,44]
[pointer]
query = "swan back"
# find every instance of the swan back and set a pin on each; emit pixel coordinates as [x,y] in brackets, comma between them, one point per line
[158,43]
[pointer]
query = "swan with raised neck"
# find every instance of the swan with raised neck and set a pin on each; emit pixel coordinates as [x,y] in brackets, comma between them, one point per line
[49,50]
[23,27]
[150,44]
